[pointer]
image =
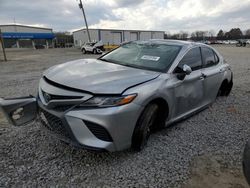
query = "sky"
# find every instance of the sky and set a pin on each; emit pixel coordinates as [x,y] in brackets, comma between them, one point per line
[163,15]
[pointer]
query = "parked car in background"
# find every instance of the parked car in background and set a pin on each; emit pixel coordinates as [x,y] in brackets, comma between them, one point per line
[116,101]
[93,47]
[207,42]
[40,46]
[225,42]
[241,43]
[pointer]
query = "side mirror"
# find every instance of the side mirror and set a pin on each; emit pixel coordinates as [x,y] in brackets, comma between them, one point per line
[183,72]
[187,69]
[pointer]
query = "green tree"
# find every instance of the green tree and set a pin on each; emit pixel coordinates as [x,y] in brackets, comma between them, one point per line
[234,33]
[248,33]
[220,34]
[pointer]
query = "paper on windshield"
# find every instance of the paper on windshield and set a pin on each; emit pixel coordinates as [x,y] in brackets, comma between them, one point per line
[150,58]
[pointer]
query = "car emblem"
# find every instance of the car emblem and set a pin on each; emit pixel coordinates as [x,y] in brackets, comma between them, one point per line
[47,97]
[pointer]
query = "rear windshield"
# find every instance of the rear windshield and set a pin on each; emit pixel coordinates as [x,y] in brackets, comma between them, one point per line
[144,55]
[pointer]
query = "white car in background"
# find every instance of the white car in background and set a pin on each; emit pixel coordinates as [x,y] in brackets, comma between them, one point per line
[233,42]
[225,42]
[92,47]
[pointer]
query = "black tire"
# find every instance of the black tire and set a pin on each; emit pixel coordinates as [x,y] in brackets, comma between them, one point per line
[246,161]
[229,88]
[143,127]
[94,51]
[83,51]
[225,88]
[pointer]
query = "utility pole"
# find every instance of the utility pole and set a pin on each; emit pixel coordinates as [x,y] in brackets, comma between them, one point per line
[83,12]
[1,39]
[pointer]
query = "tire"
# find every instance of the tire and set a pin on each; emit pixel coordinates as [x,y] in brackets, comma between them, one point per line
[143,127]
[246,162]
[225,88]
[83,51]
[94,51]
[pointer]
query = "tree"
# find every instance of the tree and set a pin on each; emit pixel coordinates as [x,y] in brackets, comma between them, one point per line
[198,35]
[248,33]
[220,34]
[234,33]
[183,35]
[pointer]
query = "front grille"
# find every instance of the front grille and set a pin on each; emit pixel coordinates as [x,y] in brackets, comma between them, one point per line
[48,97]
[62,108]
[53,123]
[99,131]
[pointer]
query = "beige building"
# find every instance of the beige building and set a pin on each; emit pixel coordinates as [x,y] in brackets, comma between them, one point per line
[114,36]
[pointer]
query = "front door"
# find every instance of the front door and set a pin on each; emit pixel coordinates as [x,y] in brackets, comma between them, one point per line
[189,92]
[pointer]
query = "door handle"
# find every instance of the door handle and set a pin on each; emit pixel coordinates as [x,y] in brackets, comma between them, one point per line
[203,76]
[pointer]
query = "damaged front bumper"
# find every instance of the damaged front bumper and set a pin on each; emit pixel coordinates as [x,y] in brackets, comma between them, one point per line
[94,129]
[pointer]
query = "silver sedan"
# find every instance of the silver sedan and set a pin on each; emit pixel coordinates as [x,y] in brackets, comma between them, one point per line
[116,101]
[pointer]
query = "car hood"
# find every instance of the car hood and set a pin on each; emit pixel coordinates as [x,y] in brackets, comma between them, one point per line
[98,77]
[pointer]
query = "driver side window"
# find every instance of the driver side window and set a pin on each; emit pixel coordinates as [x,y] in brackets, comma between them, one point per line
[192,59]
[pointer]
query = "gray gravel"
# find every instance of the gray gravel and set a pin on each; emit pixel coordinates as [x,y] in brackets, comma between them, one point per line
[29,157]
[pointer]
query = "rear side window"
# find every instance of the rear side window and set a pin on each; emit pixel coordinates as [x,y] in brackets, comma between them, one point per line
[192,59]
[210,58]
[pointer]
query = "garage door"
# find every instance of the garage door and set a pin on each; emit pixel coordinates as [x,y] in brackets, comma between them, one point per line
[156,35]
[116,38]
[133,36]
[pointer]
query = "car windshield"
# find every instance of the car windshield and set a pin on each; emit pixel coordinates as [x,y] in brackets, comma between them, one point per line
[144,55]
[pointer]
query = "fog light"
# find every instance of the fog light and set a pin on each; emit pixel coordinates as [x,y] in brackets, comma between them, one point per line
[17,114]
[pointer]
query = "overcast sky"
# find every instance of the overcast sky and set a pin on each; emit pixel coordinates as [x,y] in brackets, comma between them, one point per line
[165,15]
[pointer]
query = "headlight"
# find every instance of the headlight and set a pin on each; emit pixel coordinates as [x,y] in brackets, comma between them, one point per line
[108,101]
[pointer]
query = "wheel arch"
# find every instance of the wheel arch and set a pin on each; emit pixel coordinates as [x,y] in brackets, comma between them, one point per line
[226,86]
[163,113]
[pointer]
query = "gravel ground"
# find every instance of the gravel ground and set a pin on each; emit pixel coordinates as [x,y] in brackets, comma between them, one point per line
[202,151]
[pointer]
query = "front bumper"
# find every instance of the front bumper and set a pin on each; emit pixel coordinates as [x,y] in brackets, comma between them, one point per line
[108,129]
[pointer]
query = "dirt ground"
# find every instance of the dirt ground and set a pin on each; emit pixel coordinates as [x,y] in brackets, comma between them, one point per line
[205,170]
[213,172]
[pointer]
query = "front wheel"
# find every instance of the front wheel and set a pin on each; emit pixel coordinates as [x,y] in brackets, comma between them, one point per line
[83,51]
[144,126]
[225,88]
[94,51]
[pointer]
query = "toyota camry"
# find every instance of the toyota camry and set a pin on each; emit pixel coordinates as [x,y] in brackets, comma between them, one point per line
[114,102]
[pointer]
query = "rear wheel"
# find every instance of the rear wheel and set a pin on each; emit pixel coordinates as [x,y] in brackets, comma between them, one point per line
[144,126]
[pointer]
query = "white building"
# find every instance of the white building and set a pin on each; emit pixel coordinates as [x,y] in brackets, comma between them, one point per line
[114,36]
[26,36]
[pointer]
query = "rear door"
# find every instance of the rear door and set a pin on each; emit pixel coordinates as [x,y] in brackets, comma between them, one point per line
[19,111]
[189,92]
[213,74]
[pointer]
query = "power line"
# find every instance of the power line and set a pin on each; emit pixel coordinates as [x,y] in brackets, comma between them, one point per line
[83,12]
